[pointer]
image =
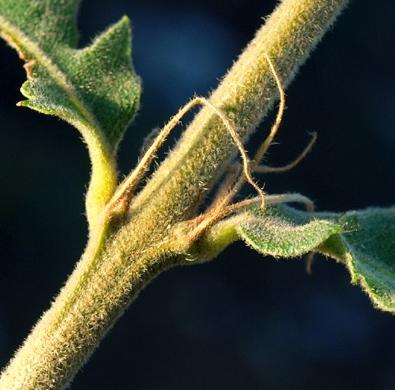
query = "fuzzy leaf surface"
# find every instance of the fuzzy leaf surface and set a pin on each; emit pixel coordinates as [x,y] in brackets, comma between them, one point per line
[364,241]
[285,232]
[94,88]
[367,248]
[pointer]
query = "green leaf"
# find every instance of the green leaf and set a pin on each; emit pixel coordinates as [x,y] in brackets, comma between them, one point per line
[364,241]
[94,88]
[367,248]
[285,232]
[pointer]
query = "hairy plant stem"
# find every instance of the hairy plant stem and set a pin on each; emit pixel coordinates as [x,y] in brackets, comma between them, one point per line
[128,253]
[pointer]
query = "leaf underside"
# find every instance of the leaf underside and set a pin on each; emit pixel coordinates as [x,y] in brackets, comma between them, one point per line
[94,88]
[362,240]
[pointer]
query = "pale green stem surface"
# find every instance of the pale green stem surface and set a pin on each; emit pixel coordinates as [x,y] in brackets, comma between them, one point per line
[246,94]
[120,261]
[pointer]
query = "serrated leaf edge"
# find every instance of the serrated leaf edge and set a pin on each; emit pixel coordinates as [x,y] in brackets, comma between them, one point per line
[17,39]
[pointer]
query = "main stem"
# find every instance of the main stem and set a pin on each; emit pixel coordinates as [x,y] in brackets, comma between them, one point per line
[121,260]
[245,94]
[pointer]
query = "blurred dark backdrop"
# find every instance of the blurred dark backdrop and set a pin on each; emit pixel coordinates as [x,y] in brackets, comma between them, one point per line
[242,321]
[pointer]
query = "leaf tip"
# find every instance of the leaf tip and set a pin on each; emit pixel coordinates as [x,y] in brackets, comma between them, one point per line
[22,103]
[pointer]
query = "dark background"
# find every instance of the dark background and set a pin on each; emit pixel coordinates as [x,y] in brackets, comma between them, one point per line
[242,321]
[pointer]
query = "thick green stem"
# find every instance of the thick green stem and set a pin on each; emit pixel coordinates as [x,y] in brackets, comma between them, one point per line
[118,264]
[246,94]
[96,294]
